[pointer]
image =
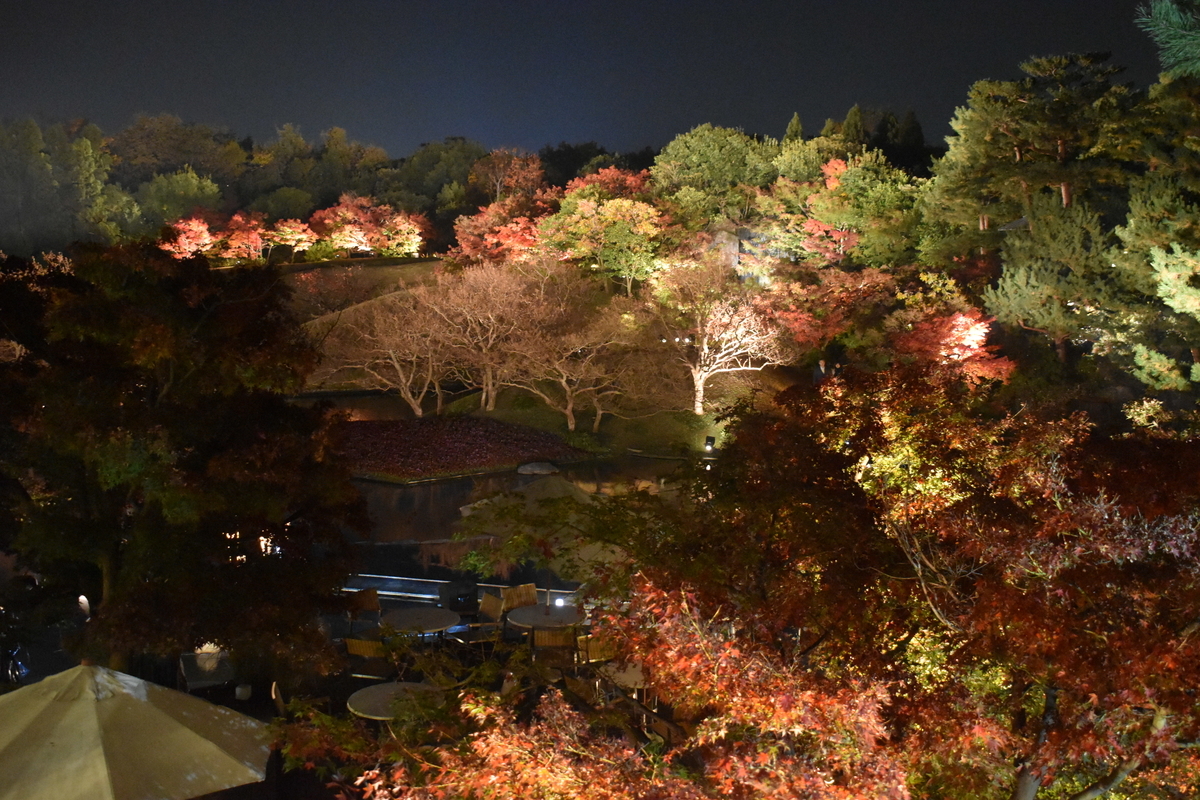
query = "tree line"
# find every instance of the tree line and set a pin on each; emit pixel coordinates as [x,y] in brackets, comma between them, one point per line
[934,574]
[930,573]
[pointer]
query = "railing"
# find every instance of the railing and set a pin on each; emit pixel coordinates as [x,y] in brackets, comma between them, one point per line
[425,590]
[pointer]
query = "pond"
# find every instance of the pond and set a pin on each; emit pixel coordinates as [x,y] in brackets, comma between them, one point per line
[407,519]
[431,510]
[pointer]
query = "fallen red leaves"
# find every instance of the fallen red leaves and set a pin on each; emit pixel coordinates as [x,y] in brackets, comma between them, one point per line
[424,448]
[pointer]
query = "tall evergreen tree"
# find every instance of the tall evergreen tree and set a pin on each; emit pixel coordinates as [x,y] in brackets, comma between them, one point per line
[1057,278]
[883,137]
[1062,129]
[795,130]
[853,128]
[1174,25]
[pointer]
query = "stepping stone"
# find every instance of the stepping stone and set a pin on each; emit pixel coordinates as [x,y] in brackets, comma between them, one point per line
[537,468]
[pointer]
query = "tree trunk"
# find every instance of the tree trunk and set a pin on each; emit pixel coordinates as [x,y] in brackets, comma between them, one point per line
[1029,779]
[117,659]
[1060,348]
[1028,784]
[487,393]
[698,380]
[108,577]
[413,402]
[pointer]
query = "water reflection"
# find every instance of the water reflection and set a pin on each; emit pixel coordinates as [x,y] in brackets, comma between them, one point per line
[425,511]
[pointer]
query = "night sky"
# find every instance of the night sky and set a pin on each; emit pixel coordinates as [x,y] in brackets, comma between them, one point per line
[527,73]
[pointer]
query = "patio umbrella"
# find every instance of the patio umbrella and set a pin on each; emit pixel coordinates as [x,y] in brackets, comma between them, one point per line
[91,733]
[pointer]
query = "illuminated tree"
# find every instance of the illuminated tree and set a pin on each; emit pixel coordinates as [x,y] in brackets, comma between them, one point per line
[802,160]
[167,198]
[712,326]
[358,224]
[712,163]
[617,235]
[1057,278]
[1175,28]
[610,182]
[479,313]
[291,233]
[393,343]
[188,238]
[817,305]
[504,231]
[506,172]
[1063,129]
[581,358]
[244,238]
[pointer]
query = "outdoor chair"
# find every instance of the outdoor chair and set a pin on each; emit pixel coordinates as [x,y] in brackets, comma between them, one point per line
[204,668]
[490,616]
[364,602]
[554,647]
[594,649]
[368,659]
[518,596]
[491,609]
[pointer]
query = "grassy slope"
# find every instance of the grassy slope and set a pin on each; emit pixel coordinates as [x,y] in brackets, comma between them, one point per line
[668,433]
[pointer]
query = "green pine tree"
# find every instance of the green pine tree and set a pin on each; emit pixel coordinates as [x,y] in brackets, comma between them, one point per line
[1174,25]
[1064,129]
[795,131]
[1057,278]
[853,129]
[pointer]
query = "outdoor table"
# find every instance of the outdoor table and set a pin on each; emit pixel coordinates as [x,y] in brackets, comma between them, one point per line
[420,619]
[377,701]
[541,616]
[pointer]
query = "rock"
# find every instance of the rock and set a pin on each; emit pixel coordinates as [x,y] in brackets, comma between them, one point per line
[537,468]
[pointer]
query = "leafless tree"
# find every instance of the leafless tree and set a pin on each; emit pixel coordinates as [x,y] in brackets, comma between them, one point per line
[712,324]
[582,364]
[391,343]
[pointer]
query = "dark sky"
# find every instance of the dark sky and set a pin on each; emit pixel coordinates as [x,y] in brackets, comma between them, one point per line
[527,73]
